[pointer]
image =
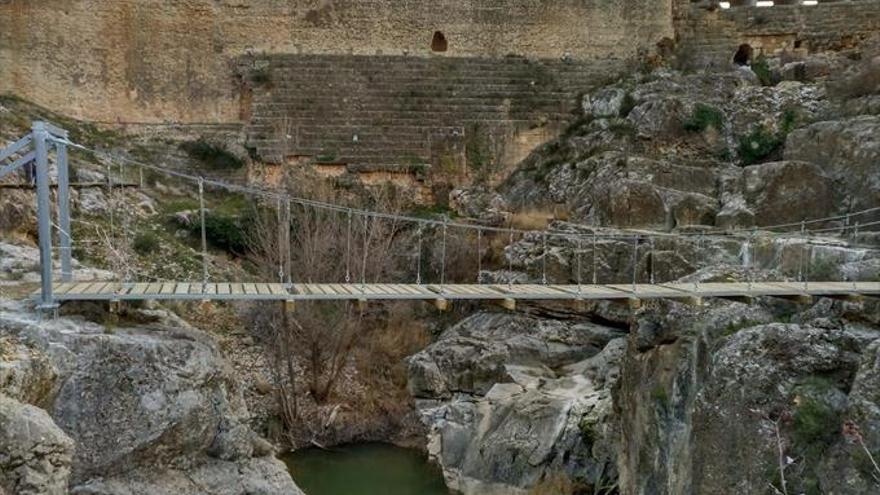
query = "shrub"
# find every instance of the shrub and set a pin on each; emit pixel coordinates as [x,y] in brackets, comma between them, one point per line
[704,117]
[146,243]
[758,145]
[223,232]
[762,69]
[211,156]
[761,144]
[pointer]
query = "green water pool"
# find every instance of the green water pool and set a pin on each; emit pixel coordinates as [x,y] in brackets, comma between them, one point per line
[365,469]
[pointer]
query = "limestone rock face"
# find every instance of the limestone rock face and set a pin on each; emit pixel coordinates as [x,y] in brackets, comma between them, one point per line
[512,400]
[152,408]
[35,455]
[848,151]
[787,192]
[707,401]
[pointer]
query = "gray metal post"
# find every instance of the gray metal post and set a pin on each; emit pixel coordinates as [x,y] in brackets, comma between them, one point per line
[64,212]
[43,213]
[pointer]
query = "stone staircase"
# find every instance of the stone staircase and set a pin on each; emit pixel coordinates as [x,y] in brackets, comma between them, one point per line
[401,110]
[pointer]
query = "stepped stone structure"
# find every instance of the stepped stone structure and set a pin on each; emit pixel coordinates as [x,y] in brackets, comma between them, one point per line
[457,84]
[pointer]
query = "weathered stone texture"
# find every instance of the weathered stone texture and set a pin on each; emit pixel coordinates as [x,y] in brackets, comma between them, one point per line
[138,60]
[710,35]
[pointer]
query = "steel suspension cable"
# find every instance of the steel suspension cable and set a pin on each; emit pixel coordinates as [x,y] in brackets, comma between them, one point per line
[204,234]
[348,250]
[479,256]
[332,207]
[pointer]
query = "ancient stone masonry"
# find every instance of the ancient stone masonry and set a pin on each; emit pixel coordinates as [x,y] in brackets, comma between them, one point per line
[142,60]
[394,110]
[709,34]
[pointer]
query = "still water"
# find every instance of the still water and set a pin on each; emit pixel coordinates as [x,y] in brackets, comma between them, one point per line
[366,469]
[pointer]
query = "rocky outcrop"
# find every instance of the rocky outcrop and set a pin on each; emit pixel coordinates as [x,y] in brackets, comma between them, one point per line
[667,151]
[35,455]
[717,401]
[511,401]
[848,151]
[151,408]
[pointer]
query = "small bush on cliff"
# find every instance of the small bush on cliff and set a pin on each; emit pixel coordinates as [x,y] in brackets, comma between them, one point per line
[211,156]
[762,69]
[146,243]
[223,232]
[761,144]
[758,145]
[704,117]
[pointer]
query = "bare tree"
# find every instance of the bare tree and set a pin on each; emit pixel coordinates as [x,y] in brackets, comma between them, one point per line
[311,348]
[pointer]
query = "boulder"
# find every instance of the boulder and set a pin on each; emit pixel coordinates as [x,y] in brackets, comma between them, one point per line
[848,152]
[604,103]
[151,399]
[35,455]
[786,192]
[513,400]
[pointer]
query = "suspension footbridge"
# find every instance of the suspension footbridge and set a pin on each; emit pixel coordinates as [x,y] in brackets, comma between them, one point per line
[33,152]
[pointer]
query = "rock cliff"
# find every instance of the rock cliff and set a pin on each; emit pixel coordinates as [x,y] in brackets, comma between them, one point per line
[144,408]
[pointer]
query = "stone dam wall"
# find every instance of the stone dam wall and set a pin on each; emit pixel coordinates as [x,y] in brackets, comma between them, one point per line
[157,61]
[459,84]
[481,113]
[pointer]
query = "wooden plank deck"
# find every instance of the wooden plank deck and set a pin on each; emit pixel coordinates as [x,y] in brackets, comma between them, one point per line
[96,291]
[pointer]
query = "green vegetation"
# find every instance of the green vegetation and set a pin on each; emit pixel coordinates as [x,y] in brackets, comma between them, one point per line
[660,395]
[224,232]
[758,145]
[704,117]
[211,156]
[816,423]
[761,143]
[762,69]
[146,243]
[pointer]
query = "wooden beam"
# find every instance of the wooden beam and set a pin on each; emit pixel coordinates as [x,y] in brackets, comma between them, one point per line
[853,298]
[794,298]
[442,304]
[631,302]
[740,299]
[508,303]
[690,300]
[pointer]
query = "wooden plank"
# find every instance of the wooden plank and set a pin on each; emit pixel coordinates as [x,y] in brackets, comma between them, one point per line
[181,288]
[95,288]
[223,289]
[168,288]
[138,289]
[63,287]
[195,288]
[236,289]
[79,288]
[250,289]
[154,288]
[277,290]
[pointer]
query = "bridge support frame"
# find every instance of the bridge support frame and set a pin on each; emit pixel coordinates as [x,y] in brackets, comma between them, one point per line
[40,139]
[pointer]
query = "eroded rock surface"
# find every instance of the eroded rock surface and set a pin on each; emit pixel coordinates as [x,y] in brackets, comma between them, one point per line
[512,400]
[151,408]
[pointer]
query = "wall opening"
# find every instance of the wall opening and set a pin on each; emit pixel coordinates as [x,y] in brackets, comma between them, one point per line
[743,54]
[439,43]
